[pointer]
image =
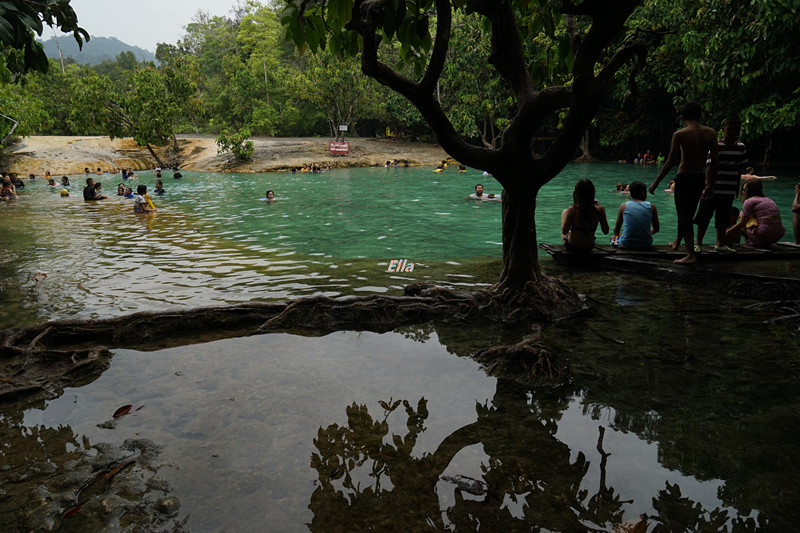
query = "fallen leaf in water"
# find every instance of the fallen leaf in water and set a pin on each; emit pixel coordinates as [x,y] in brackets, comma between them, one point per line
[38,277]
[113,472]
[126,409]
[73,511]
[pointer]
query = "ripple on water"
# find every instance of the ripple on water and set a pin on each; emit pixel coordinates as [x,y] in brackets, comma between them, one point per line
[100,258]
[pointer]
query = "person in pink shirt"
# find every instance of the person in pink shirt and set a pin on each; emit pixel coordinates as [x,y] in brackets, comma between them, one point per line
[760,221]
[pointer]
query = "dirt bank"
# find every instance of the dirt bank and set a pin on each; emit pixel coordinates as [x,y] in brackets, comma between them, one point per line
[70,155]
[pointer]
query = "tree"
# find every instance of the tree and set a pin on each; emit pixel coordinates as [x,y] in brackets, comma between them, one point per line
[423,32]
[19,21]
[336,85]
[238,144]
[20,113]
[145,108]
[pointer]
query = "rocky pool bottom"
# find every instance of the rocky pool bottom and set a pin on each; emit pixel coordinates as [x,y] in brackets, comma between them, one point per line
[683,406]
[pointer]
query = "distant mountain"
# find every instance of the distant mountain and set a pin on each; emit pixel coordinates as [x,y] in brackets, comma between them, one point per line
[97,50]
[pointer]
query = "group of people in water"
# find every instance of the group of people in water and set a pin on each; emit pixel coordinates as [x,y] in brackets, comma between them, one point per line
[93,191]
[141,200]
[711,174]
[310,167]
[645,159]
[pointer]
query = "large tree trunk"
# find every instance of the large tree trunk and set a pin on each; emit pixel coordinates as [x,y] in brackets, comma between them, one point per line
[520,253]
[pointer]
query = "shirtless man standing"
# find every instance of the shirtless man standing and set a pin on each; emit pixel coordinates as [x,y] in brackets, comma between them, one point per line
[696,144]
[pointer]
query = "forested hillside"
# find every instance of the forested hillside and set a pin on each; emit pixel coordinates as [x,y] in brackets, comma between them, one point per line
[94,52]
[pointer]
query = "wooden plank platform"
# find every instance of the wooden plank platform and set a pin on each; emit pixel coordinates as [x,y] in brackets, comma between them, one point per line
[778,251]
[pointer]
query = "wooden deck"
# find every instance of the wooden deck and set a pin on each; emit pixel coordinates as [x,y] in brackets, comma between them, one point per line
[779,251]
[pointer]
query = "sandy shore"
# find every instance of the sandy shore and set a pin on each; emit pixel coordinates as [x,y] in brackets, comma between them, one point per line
[70,155]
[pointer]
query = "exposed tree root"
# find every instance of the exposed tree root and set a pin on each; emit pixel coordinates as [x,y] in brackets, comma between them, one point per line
[528,362]
[146,330]
[44,357]
[782,312]
[33,372]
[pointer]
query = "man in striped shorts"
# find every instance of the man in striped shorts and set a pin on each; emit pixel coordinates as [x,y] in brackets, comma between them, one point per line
[719,193]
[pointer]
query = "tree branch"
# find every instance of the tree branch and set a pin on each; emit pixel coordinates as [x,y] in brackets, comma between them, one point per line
[506,54]
[572,31]
[444,20]
[10,133]
[364,19]
[637,48]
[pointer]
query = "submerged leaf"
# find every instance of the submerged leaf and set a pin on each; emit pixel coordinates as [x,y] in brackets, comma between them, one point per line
[116,470]
[126,409]
[72,512]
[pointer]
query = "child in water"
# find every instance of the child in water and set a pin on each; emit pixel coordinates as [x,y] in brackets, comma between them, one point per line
[579,221]
[98,191]
[140,204]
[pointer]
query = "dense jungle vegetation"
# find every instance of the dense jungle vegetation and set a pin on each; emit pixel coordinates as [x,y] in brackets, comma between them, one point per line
[240,75]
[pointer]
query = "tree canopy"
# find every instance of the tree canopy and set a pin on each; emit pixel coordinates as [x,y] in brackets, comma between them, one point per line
[20,21]
[733,57]
[591,49]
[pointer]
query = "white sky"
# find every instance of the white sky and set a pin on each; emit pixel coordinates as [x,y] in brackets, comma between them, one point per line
[143,23]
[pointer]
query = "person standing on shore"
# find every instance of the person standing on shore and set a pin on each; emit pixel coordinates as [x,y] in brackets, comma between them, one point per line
[694,146]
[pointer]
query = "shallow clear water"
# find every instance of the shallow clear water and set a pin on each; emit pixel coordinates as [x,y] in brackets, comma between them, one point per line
[214,239]
[698,418]
[697,397]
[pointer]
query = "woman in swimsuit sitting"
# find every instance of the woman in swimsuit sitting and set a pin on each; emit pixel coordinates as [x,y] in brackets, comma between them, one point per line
[579,221]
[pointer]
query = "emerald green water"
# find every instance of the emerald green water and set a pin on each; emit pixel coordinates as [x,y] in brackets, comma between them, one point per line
[214,239]
[683,403]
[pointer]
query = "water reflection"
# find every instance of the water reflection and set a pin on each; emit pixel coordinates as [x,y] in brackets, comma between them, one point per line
[682,407]
[369,477]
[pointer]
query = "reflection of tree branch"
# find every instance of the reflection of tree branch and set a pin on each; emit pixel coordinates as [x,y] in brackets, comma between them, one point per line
[461,438]
[527,465]
[603,457]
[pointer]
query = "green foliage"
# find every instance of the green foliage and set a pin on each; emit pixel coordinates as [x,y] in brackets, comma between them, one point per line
[237,144]
[235,73]
[734,57]
[31,114]
[119,68]
[335,85]
[480,102]
[19,21]
[145,106]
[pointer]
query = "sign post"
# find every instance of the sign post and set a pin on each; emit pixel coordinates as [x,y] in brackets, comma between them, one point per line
[340,147]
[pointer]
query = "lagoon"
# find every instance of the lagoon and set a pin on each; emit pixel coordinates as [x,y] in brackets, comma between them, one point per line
[682,406]
[214,240]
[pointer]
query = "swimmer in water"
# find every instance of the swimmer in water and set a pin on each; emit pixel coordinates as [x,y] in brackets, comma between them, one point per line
[478,194]
[748,175]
